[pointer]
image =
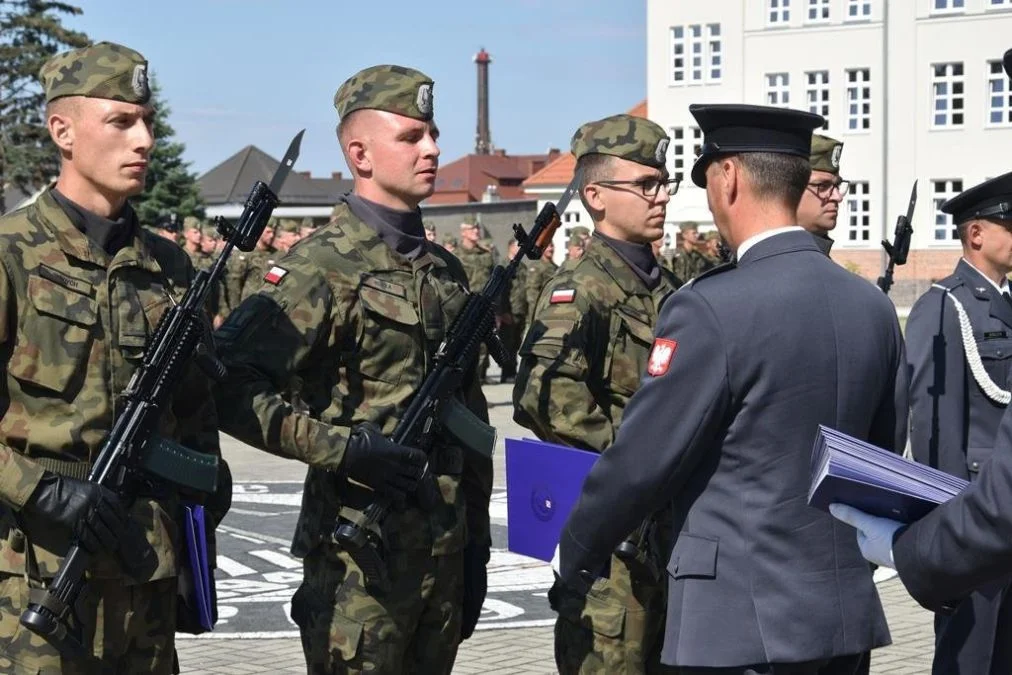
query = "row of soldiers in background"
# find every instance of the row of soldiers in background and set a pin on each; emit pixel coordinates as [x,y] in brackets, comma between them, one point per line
[202,242]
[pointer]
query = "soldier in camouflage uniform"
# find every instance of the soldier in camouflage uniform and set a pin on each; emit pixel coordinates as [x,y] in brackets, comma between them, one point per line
[478,262]
[688,262]
[356,312]
[513,318]
[450,243]
[430,231]
[286,235]
[820,202]
[538,274]
[259,261]
[193,238]
[81,290]
[585,351]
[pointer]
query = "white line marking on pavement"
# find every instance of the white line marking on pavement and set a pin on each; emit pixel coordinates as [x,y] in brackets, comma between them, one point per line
[289,499]
[233,568]
[244,537]
[279,559]
[265,635]
[248,512]
[236,532]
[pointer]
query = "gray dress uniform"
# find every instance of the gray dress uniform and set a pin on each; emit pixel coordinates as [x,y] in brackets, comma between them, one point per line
[755,575]
[956,408]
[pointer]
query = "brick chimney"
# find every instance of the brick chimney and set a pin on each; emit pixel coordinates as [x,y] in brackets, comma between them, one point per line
[483,137]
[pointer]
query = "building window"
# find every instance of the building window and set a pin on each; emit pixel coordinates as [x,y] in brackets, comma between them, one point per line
[993,4]
[778,89]
[713,51]
[859,99]
[940,6]
[947,95]
[571,217]
[941,192]
[858,9]
[696,58]
[858,212]
[999,107]
[818,11]
[817,93]
[685,143]
[779,12]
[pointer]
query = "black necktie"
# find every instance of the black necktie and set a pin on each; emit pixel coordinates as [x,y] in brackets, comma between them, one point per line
[1008,298]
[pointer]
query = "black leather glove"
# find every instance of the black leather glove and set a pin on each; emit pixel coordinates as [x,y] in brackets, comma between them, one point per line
[93,513]
[387,467]
[475,586]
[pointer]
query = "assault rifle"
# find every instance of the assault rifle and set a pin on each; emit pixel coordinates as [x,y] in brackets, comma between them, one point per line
[132,447]
[898,250]
[435,406]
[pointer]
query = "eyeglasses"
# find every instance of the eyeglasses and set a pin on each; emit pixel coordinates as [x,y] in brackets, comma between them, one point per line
[824,189]
[650,187]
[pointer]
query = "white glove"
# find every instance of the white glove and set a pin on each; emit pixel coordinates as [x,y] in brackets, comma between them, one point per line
[874,534]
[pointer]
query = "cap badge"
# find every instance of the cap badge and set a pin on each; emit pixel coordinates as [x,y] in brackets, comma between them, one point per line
[424,99]
[662,150]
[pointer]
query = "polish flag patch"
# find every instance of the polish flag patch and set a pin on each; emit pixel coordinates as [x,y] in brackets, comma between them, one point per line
[275,275]
[661,355]
[562,295]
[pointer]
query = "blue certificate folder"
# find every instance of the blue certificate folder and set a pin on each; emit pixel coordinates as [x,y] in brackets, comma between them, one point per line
[200,597]
[879,482]
[543,482]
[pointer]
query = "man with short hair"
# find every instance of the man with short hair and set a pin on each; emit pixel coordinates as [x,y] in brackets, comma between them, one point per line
[820,203]
[286,235]
[581,361]
[959,337]
[168,227]
[721,427]
[430,231]
[538,273]
[82,287]
[449,243]
[513,317]
[355,313]
[688,262]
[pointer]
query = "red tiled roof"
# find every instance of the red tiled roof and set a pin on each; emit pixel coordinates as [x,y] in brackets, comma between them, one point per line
[466,179]
[560,172]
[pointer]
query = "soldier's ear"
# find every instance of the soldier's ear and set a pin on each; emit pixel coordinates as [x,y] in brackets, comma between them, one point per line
[592,198]
[358,157]
[61,128]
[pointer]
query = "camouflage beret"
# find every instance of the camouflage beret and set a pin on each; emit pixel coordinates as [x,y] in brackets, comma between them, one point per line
[191,222]
[103,70]
[688,225]
[712,235]
[826,153]
[580,230]
[306,222]
[449,239]
[634,138]
[396,89]
[574,240]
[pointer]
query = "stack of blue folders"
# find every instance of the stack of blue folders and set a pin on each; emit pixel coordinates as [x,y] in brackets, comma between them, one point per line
[874,480]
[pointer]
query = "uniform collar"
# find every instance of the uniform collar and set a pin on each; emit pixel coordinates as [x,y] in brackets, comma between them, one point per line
[744,247]
[1003,288]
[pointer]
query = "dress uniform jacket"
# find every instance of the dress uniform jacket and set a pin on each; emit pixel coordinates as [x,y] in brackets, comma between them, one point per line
[954,419]
[774,346]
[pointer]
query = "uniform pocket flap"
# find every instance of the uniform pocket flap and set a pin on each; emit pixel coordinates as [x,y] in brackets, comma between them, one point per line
[994,349]
[637,327]
[593,613]
[694,556]
[55,300]
[388,305]
[345,635]
[975,458]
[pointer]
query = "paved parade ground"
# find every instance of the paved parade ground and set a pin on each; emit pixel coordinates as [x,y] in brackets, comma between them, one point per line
[257,576]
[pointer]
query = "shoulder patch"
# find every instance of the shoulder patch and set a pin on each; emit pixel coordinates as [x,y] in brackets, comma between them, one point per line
[661,355]
[275,275]
[562,295]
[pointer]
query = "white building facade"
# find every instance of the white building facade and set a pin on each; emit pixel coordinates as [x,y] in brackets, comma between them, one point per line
[914,89]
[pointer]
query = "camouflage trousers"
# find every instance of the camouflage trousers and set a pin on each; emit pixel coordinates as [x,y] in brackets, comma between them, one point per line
[415,628]
[131,629]
[616,629]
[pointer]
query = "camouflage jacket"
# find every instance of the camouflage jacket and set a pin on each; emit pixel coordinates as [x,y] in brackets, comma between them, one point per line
[586,349]
[258,262]
[358,325]
[538,274]
[478,263]
[516,299]
[73,325]
[688,265]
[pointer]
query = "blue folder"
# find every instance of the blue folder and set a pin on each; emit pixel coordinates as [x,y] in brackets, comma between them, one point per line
[876,481]
[543,482]
[202,600]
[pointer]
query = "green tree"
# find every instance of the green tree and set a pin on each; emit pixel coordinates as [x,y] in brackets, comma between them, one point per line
[30,33]
[170,187]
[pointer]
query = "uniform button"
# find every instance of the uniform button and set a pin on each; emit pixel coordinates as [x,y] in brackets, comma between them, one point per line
[976,465]
[999,352]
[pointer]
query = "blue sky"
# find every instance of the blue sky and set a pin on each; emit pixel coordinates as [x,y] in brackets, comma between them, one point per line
[239,72]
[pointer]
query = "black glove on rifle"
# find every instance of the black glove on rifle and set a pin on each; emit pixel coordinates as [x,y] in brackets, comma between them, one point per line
[93,513]
[387,467]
